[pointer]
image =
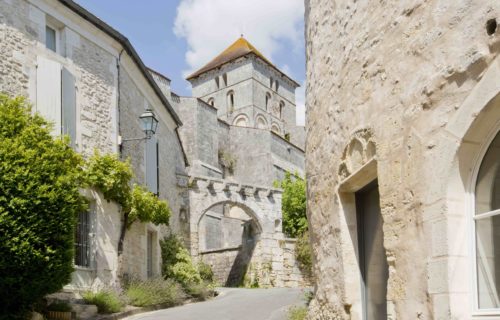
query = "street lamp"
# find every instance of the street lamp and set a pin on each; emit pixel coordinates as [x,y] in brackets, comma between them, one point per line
[149,125]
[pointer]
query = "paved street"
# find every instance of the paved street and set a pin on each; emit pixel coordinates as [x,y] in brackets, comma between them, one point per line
[234,303]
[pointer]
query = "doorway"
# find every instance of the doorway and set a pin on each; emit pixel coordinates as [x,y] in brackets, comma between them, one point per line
[372,256]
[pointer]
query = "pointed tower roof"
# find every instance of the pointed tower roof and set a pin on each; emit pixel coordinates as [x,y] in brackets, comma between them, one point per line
[239,48]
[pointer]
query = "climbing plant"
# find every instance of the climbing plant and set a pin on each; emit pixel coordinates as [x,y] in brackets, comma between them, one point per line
[113,178]
[40,179]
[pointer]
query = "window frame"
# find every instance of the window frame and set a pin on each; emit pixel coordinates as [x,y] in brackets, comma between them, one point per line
[473,218]
[91,236]
[57,37]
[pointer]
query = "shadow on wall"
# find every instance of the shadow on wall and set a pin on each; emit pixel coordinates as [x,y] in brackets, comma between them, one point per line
[242,260]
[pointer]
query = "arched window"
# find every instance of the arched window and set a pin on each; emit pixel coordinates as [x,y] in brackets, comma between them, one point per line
[275,128]
[241,121]
[277,86]
[260,122]
[268,101]
[224,77]
[230,101]
[487,228]
[271,82]
[282,109]
[211,102]
[217,82]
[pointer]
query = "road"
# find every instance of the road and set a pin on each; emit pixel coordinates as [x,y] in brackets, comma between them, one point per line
[234,304]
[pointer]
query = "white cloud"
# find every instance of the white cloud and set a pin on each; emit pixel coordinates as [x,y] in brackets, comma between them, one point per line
[300,99]
[209,26]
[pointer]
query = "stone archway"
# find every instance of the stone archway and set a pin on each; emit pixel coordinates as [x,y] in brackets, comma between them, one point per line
[211,201]
[228,234]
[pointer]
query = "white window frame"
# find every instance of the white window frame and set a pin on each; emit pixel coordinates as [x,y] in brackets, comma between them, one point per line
[476,311]
[57,37]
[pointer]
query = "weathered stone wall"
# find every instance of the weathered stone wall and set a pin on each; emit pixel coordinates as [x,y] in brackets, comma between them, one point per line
[392,81]
[133,102]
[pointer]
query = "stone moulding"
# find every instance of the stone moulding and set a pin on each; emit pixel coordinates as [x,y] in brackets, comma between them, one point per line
[201,183]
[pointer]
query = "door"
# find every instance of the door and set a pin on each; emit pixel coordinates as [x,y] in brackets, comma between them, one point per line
[373,259]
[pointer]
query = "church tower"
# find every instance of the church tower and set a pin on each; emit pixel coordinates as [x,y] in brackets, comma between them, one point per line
[249,91]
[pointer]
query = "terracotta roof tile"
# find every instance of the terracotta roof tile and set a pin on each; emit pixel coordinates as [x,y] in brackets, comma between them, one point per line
[239,48]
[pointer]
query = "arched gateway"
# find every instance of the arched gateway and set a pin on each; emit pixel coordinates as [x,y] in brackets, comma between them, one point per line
[236,229]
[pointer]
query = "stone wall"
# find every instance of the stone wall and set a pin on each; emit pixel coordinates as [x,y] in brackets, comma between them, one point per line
[392,89]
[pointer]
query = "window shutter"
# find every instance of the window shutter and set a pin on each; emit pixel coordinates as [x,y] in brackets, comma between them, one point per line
[48,92]
[151,165]
[68,96]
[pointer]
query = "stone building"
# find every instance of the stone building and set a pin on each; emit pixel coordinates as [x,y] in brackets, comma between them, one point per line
[216,167]
[88,80]
[240,136]
[402,161]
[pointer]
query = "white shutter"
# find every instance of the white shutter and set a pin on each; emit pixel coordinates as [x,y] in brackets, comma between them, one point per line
[68,97]
[151,165]
[48,92]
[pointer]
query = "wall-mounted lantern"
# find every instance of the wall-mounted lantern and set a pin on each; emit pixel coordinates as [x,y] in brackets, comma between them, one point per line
[149,125]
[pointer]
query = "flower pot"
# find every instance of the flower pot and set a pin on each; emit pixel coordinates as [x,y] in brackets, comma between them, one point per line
[59,315]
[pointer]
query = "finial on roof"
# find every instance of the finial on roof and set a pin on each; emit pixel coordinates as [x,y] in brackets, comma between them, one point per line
[241,35]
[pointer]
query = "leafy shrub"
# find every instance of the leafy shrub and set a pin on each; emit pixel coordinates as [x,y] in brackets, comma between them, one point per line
[59,306]
[40,179]
[154,291]
[201,291]
[177,263]
[107,301]
[293,204]
[297,313]
[303,253]
[206,272]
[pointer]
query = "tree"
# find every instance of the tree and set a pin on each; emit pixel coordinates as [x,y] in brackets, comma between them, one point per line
[40,179]
[293,207]
[293,204]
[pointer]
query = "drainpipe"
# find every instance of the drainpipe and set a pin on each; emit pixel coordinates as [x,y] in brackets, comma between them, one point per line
[118,100]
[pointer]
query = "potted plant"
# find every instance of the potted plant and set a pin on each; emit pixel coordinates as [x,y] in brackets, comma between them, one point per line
[59,311]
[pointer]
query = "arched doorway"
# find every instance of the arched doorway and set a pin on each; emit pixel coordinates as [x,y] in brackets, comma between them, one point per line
[228,233]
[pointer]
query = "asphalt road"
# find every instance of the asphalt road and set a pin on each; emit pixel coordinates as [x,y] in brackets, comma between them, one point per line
[234,303]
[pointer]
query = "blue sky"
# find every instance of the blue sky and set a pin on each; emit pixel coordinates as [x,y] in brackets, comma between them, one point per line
[175,37]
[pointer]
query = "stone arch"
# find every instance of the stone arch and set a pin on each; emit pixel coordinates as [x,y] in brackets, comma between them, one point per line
[247,208]
[241,120]
[275,128]
[461,145]
[359,151]
[260,122]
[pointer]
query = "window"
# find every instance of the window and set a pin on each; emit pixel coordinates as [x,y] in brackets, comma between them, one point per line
[217,82]
[152,169]
[277,86]
[282,108]
[51,38]
[230,101]
[268,101]
[275,128]
[224,77]
[83,239]
[487,228]
[56,97]
[271,82]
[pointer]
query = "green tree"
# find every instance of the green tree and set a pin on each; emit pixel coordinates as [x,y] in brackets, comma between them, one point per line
[293,204]
[40,179]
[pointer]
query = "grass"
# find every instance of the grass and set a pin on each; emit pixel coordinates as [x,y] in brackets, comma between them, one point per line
[297,313]
[153,292]
[107,301]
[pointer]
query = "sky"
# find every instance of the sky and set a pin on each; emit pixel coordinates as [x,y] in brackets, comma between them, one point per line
[176,37]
